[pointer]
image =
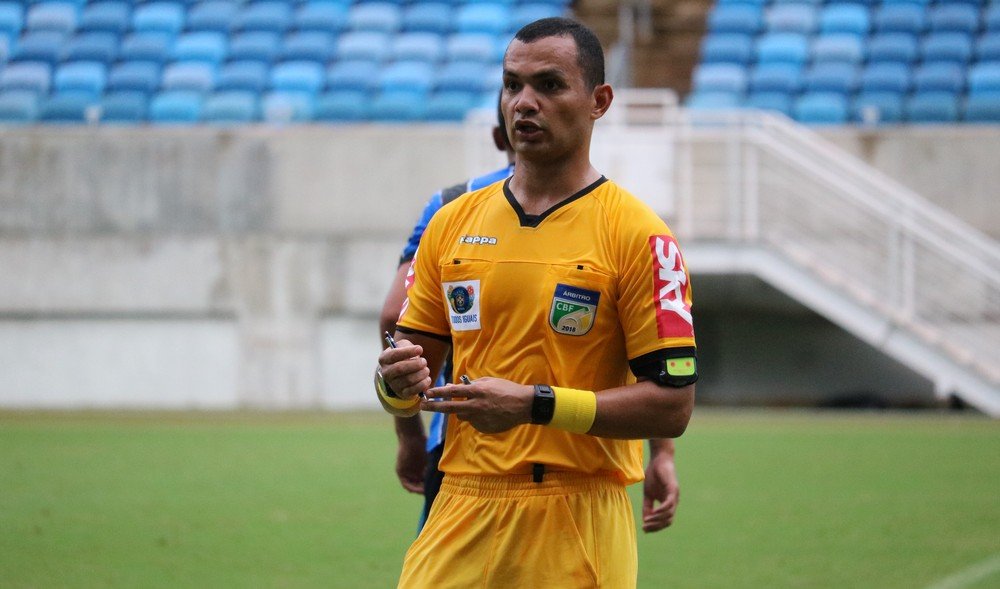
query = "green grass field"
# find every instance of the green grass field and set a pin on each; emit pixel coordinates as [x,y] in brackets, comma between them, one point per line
[768,499]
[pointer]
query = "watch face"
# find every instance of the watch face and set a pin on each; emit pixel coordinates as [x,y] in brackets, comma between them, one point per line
[543,406]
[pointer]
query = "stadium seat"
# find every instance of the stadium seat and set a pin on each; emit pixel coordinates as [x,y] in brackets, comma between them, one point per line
[952,47]
[414,76]
[108,17]
[81,77]
[176,107]
[983,108]
[991,17]
[449,106]
[213,15]
[834,77]
[230,107]
[260,46]
[381,17]
[784,78]
[893,47]
[922,4]
[99,46]
[18,107]
[528,13]
[878,108]
[399,106]
[984,77]
[782,48]
[363,45]
[735,18]
[791,18]
[206,46]
[727,48]
[720,77]
[6,43]
[901,18]
[988,47]
[712,101]
[470,47]
[162,17]
[297,76]
[135,76]
[272,16]
[146,46]
[418,46]
[342,106]
[432,17]
[886,77]
[840,47]
[845,18]
[492,19]
[354,75]
[960,18]
[463,76]
[821,109]
[770,101]
[44,46]
[68,108]
[287,107]
[932,107]
[11,18]
[31,76]
[193,76]
[250,76]
[123,107]
[328,17]
[60,17]
[307,46]
[939,77]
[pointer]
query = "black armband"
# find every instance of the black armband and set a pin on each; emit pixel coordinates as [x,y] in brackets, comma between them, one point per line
[672,367]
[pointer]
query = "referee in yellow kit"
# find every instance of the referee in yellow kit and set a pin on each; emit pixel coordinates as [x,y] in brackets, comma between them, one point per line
[567,303]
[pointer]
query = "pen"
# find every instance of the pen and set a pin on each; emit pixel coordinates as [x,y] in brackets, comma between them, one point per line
[465,380]
[391,342]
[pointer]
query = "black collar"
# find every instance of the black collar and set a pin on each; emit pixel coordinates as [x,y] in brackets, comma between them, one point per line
[527,220]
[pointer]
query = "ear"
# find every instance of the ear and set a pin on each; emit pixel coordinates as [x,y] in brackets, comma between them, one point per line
[500,139]
[603,96]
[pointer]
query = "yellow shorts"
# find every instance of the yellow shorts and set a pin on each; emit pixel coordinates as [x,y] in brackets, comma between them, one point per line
[492,532]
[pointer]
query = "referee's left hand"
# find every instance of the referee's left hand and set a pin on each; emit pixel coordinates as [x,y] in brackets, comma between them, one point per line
[491,405]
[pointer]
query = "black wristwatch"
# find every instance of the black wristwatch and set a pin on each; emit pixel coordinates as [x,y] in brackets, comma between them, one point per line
[544,405]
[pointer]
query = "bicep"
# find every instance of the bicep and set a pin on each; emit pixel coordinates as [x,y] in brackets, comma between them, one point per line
[394,300]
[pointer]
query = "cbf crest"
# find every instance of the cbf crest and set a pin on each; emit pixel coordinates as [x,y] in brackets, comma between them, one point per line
[463,304]
[573,310]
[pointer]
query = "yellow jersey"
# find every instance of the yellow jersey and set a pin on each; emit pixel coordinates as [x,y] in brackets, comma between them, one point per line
[573,297]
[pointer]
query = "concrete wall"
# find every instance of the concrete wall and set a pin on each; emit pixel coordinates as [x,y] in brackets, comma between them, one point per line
[219,268]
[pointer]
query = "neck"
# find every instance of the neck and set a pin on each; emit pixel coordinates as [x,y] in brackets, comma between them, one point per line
[541,186]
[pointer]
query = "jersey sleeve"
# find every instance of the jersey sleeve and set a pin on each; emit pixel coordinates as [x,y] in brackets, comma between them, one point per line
[432,206]
[423,309]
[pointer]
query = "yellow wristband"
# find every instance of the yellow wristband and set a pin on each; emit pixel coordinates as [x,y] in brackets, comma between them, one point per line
[392,404]
[575,410]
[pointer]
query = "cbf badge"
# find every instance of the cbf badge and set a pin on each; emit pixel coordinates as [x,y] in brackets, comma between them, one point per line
[573,310]
[463,304]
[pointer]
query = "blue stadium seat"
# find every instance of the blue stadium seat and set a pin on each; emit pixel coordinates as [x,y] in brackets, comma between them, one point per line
[471,47]
[893,47]
[922,4]
[308,46]
[482,18]
[124,107]
[52,16]
[109,17]
[176,107]
[99,46]
[33,76]
[782,48]
[988,47]
[415,76]
[784,78]
[901,18]
[328,17]
[81,77]
[11,18]
[418,46]
[189,75]
[991,17]
[342,106]
[230,107]
[845,18]
[877,108]
[770,101]
[207,46]
[960,18]
[984,77]
[399,106]
[363,45]
[449,106]
[6,47]
[163,17]
[528,13]
[44,46]
[726,48]
[135,77]
[432,17]
[18,107]
[69,108]
[953,47]
[821,109]
[382,17]
[213,15]
[838,47]
[250,76]
[712,101]
[260,46]
[983,108]
[287,107]
[735,18]
[146,46]
[931,107]
[720,77]
[463,76]
[791,18]
[835,77]
[354,75]
[939,77]
[272,16]
[297,76]
[886,77]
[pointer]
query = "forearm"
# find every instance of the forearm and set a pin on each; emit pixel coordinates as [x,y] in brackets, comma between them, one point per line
[643,410]
[661,447]
[408,428]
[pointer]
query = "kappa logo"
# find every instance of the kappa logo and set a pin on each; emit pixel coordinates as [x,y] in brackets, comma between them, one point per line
[477,240]
[463,304]
[573,310]
[670,288]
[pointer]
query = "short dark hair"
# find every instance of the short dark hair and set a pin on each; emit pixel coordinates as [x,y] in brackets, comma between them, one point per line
[589,54]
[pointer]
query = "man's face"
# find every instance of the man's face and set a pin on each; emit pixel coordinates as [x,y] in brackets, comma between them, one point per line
[545,102]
